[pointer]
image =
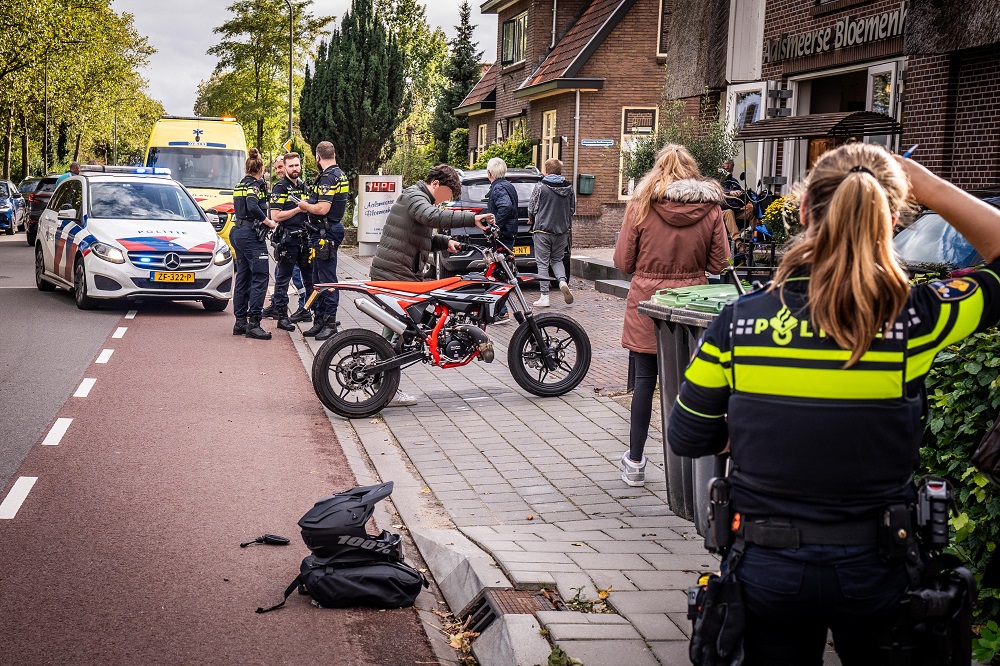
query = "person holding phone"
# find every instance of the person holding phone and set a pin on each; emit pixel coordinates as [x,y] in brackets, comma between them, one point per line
[816,385]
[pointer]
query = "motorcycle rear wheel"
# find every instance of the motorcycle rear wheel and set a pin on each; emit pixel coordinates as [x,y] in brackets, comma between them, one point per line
[340,378]
[562,362]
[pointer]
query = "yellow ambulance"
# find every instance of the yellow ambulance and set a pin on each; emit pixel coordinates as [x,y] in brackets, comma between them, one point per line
[207,156]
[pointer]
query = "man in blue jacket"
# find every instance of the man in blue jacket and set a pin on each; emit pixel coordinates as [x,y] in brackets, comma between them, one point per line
[501,201]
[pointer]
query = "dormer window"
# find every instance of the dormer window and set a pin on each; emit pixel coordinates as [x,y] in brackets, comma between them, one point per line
[515,40]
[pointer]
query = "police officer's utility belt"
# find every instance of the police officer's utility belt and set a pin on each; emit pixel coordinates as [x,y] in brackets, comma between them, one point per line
[244,222]
[795,532]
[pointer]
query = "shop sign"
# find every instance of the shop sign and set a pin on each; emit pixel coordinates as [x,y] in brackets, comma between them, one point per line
[638,121]
[844,33]
[376,194]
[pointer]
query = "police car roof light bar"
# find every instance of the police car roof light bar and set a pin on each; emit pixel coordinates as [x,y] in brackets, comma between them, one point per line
[137,171]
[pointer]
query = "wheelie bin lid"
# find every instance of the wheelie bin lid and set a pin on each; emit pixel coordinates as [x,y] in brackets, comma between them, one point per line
[682,297]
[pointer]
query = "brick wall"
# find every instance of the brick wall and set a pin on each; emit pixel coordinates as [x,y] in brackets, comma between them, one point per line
[952,103]
[598,230]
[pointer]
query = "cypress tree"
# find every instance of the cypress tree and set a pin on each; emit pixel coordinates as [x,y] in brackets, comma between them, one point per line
[462,72]
[356,94]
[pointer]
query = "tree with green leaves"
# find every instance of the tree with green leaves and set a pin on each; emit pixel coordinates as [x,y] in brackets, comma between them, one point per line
[253,52]
[462,72]
[357,95]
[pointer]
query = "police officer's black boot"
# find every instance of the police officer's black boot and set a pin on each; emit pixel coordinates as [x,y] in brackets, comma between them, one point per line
[240,327]
[283,322]
[271,312]
[254,331]
[318,325]
[329,328]
[301,315]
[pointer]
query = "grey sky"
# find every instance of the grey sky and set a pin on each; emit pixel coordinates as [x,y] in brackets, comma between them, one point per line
[181,31]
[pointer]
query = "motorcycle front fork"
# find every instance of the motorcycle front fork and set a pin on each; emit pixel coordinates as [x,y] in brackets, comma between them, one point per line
[523,312]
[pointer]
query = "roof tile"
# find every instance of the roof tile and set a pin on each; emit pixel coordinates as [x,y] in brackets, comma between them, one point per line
[566,51]
[482,90]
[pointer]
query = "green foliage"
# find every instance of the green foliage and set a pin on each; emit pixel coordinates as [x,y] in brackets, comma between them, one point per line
[558,657]
[411,161]
[461,72]
[515,150]
[250,80]
[782,218]
[987,645]
[962,390]
[357,95]
[458,148]
[708,142]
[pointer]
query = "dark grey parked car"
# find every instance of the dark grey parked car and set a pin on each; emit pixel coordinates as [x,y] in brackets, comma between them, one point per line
[37,191]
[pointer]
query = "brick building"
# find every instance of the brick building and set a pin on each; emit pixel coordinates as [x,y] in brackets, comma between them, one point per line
[907,72]
[581,77]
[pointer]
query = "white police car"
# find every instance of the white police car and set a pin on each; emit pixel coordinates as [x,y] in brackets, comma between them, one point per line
[127,232]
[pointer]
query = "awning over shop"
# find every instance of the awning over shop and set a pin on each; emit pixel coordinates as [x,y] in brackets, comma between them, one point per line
[817,125]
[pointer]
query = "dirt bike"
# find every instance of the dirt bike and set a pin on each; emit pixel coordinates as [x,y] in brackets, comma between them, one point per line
[443,323]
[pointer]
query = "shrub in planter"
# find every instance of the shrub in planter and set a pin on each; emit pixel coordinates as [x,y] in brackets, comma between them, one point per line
[782,218]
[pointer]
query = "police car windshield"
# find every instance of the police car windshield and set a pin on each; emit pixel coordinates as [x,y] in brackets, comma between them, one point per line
[200,167]
[146,200]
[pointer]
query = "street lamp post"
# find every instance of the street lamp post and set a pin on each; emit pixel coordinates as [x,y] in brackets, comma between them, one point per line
[290,51]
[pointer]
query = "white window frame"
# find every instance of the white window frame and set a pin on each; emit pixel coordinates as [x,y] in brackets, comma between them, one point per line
[758,146]
[549,135]
[519,30]
[481,133]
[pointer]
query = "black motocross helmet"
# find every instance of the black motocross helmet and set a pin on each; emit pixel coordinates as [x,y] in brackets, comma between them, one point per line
[334,529]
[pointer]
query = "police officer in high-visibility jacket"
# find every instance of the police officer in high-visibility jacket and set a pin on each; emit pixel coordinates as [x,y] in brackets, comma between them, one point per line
[247,236]
[326,205]
[291,240]
[817,384]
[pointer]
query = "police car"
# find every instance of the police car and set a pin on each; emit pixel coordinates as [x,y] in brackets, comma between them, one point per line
[126,232]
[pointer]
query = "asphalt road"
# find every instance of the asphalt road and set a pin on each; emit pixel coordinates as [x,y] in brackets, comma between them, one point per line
[186,442]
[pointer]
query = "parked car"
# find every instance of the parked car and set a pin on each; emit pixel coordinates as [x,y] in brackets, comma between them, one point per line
[475,186]
[37,190]
[931,245]
[145,237]
[12,208]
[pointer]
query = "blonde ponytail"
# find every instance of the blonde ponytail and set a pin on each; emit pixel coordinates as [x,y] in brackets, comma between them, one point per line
[856,286]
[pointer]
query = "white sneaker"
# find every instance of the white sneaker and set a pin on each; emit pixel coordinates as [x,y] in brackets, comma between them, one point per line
[542,302]
[634,474]
[402,400]
[567,294]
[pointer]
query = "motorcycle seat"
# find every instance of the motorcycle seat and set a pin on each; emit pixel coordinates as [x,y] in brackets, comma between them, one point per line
[414,287]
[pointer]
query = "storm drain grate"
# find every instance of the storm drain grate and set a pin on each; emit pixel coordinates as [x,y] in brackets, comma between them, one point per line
[493,602]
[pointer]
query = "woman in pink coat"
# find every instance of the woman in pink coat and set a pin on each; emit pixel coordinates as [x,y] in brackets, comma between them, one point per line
[673,233]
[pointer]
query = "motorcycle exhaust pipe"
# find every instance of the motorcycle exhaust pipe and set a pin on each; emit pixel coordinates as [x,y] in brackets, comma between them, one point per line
[380,315]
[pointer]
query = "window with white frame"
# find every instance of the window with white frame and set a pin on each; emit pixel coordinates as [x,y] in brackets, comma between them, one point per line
[747,104]
[514,36]
[549,147]
[481,139]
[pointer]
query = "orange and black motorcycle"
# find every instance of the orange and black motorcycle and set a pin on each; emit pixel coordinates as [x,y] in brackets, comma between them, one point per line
[443,323]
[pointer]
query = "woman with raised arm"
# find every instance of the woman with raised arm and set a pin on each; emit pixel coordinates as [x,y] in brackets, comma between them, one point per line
[817,384]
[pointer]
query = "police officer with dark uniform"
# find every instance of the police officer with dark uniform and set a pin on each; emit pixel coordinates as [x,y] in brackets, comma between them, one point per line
[326,206]
[247,237]
[291,247]
[817,386]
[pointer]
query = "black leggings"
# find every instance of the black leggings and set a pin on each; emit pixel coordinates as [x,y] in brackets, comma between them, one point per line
[642,402]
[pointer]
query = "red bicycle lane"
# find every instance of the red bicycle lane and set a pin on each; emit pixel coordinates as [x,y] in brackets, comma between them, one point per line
[126,550]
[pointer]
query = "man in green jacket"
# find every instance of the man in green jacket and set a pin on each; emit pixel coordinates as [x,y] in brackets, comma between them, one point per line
[409,233]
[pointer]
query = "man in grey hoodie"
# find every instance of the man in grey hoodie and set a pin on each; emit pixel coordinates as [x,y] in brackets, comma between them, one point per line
[550,211]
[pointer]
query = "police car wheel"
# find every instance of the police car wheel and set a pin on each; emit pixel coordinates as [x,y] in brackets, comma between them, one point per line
[215,304]
[40,281]
[83,301]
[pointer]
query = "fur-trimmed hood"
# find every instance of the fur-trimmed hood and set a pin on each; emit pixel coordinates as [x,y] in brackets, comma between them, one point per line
[685,202]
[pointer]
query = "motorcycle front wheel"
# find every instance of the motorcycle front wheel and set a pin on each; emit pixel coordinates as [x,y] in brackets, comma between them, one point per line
[341,375]
[556,366]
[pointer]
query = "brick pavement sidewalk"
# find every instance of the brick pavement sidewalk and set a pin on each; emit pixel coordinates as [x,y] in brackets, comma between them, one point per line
[535,483]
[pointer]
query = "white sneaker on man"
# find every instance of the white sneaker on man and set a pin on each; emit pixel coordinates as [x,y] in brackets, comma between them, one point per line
[542,302]
[567,294]
[402,400]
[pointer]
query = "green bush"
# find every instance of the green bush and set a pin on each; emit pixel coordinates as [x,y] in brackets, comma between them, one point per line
[962,390]
[458,148]
[515,150]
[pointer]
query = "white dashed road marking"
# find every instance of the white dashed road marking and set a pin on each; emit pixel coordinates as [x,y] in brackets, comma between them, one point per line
[57,431]
[84,390]
[131,314]
[120,333]
[104,356]
[15,498]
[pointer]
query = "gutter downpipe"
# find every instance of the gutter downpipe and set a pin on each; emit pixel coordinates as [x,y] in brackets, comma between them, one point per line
[555,7]
[576,142]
